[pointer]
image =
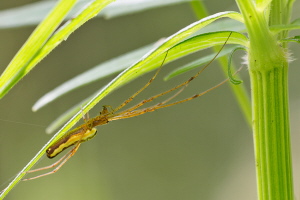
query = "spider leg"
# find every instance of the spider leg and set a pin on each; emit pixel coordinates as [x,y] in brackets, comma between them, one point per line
[184,85]
[144,87]
[161,105]
[60,163]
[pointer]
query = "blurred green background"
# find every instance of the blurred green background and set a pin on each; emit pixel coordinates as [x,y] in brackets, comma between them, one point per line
[201,149]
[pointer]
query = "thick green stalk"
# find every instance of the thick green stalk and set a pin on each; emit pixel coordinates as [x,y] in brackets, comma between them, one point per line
[268,69]
[271,133]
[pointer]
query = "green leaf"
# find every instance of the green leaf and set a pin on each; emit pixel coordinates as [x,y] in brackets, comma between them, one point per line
[279,28]
[225,24]
[230,76]
[208,40]
[293,26]
[39,45]
[197,63]
[292,39]
[18,66]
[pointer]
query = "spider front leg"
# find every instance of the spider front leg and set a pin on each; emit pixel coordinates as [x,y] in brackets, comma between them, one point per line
[60,163]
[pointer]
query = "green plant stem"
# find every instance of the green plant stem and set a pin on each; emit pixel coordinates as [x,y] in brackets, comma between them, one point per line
[268,68]
[271,133]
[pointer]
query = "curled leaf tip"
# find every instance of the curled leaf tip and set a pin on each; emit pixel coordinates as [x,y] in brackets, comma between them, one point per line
[230,75]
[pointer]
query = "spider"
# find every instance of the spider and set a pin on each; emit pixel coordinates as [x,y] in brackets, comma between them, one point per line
[87,130]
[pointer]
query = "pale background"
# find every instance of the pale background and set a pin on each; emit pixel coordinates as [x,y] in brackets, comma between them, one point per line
[201,149]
